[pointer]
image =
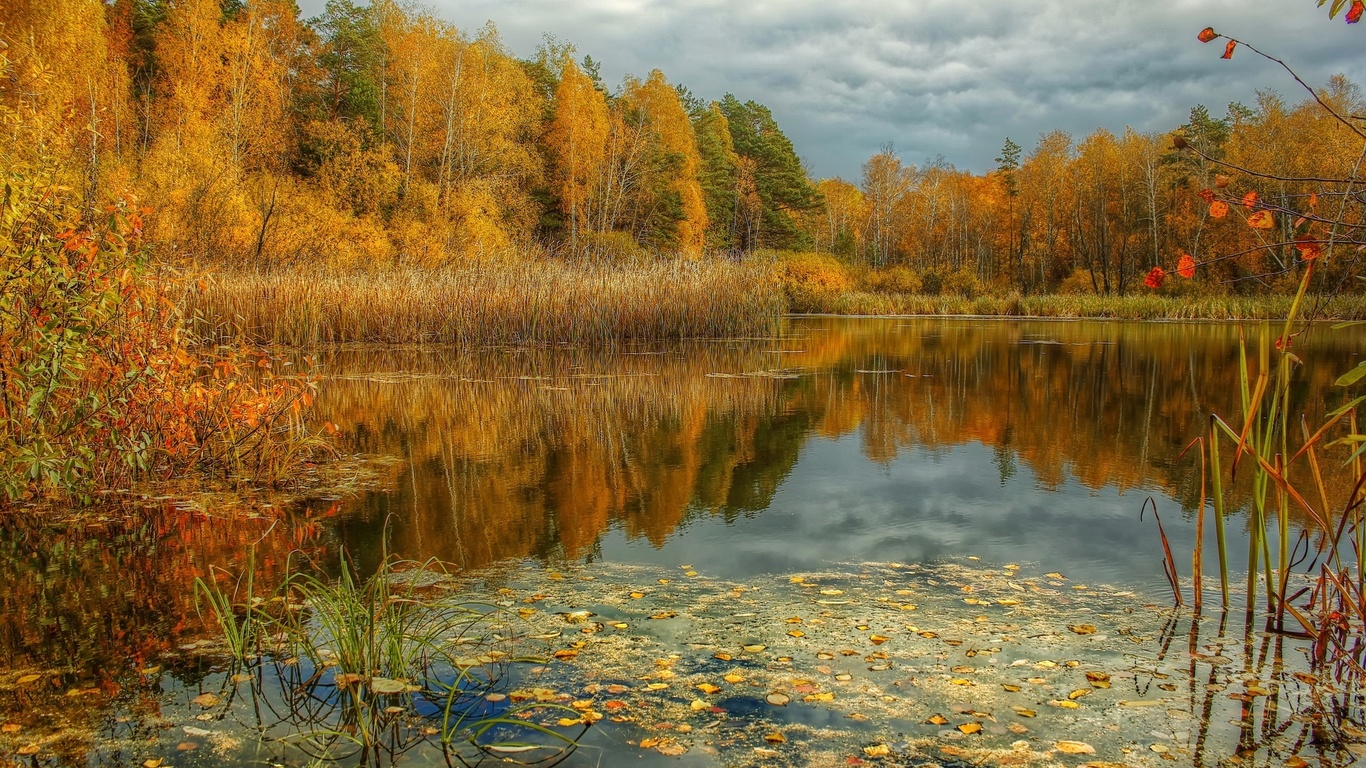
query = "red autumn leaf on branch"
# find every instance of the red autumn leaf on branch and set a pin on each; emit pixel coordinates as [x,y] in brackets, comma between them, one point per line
[1185,267]
[1207,195]
[1156,277]
[1354,13]
[1261,220]
[1313,199]
[1228,50]
[1309,247]
[1218,209]
[1207,34]
[1249,200]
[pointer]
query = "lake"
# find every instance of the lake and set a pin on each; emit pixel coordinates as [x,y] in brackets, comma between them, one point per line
[921,455]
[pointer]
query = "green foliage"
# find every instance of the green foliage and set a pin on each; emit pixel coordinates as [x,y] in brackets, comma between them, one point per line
[352,57]
[779,181]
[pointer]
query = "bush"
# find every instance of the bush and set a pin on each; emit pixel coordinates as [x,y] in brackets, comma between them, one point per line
[812,280]
[99,383]
[962,282]
[893,280]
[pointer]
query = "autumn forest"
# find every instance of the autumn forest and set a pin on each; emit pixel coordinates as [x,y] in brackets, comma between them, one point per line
[378,135]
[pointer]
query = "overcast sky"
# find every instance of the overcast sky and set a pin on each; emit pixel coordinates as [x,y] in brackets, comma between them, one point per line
[939,77]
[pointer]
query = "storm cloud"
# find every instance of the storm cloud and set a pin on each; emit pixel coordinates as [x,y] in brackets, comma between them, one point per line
[939,77]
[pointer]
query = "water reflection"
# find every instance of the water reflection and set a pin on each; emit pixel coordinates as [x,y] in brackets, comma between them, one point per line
[856,439]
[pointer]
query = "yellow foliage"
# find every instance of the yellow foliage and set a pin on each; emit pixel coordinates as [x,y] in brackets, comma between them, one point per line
[810,279]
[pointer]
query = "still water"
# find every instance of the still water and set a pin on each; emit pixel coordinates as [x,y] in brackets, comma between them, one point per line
[899,440]
[871,456]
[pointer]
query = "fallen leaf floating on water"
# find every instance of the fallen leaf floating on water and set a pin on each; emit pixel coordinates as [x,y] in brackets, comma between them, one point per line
[970,728]
[1011,687]
[1083,629]
[1077,694]
[938,720]
[877,750]
[878,639]
[707,688]
[723,656]
[775,738]
[205,700]
[1074,747]
[832,592]
[26,679]
[1098,679]
[697,705]
[28,749]
[387,686]
[733,678]
[1025,712]
[796,633]
[753,648]
[827,696]
[778,699]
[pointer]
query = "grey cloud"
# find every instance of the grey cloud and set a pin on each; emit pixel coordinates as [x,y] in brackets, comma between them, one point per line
[939,77]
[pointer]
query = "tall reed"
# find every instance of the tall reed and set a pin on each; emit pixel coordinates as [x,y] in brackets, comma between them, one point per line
[1329,609]
[523,303]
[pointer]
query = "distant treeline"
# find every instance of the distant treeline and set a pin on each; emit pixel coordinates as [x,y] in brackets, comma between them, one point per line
[378,135]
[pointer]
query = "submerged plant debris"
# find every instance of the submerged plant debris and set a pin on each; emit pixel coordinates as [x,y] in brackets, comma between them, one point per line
[948,664]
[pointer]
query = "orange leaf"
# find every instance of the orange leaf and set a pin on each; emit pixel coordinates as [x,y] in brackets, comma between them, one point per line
[1207,34]
[1207,195]
[1309,247]
[1249,200]
[1261,220]
[1156,277]
[1313,199]
[1354,13]
[1228,50]
[1185,267]
[1218,209]
[1220,180]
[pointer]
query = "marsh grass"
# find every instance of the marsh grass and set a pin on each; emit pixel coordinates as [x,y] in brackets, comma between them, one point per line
[1132,307]
[539,302]
[367,668]
[1312,580]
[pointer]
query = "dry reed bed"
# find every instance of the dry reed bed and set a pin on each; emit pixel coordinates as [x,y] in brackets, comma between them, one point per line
[523,303]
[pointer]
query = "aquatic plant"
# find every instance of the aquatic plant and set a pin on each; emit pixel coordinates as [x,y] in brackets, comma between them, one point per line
[368,668]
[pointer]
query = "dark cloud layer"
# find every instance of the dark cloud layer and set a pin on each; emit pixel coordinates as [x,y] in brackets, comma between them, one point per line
[940,77]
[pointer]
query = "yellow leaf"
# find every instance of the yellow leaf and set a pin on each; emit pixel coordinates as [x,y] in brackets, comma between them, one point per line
[723,656]
[877,750]
[1077,694]
[797,633]
[775,738]
[754,648]
[1261,220]
[827,696]
[656,686]
[565,722]
[698,705]
[1011,688]
[832,591]
[733,678]
[1074,747]
[970,728]
[707,688]
[1025,712]
[879,639]
[1083,629]
[938,720]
